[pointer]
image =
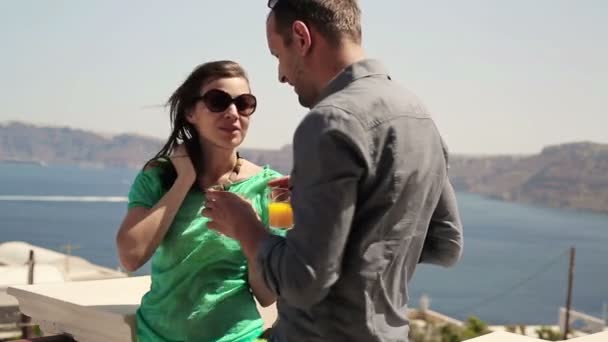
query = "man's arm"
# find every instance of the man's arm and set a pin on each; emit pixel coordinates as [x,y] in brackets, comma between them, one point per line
[328,164]
[443,243]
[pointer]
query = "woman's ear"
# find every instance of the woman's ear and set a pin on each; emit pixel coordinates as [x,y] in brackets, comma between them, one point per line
[190,117]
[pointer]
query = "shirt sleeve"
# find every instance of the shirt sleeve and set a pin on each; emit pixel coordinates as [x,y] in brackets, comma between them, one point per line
[146,189]
[328,164]
[443,242]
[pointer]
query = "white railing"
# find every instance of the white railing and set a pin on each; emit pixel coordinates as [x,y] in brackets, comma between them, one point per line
[104,310]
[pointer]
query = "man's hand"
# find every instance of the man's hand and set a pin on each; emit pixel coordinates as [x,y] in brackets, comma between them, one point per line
[282,182]
[233,216]
[280,188]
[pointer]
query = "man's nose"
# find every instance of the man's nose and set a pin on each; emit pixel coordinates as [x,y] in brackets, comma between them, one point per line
[282,77]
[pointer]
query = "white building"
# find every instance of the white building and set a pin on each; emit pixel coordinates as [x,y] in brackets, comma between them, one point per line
[49,267]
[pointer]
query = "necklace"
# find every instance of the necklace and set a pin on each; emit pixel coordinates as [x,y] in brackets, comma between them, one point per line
[232,177]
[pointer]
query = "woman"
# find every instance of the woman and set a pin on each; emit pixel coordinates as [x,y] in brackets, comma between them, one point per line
[202,284]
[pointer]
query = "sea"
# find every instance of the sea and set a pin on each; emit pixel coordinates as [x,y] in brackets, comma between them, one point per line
[514,268]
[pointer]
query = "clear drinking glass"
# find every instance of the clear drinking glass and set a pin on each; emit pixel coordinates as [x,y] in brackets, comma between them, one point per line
[279,208]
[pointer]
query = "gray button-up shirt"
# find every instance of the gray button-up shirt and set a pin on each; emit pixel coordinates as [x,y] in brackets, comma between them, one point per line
[371,200]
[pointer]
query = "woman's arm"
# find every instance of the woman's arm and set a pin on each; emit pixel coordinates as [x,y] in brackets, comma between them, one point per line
[143,229]
[256,282]
[262,293]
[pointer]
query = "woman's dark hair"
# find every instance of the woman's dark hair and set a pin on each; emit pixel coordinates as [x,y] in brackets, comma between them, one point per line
[181,102]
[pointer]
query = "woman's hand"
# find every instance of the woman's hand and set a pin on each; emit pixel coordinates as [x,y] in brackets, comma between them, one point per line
[183,164]
[229,214]
[233,216]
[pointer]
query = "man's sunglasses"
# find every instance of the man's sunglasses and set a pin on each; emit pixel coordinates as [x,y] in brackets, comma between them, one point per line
[218,101]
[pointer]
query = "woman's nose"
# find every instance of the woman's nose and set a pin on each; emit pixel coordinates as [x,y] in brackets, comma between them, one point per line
[231,111]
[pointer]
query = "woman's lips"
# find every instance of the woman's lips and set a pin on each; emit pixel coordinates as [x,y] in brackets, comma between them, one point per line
[230,129]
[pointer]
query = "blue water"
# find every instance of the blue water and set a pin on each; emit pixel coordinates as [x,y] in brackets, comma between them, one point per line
[514,268]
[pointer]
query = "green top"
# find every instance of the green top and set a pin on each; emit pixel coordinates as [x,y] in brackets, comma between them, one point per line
[199,290]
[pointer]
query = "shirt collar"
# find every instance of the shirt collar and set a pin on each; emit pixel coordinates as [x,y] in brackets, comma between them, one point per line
[353,72]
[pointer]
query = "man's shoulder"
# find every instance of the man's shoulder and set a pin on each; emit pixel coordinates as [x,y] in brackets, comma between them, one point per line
[373,100]
[326,117]
[331,124]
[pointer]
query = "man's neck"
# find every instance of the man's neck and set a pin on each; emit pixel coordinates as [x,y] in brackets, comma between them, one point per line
[339,58]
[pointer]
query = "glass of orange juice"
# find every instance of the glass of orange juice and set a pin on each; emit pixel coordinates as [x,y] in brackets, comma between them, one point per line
[280,212]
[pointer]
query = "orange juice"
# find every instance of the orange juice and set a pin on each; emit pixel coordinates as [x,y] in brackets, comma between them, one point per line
[280,215]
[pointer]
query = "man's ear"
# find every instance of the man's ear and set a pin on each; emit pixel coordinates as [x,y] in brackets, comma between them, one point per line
[302,38]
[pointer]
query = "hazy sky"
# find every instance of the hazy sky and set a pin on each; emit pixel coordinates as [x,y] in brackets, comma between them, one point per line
[499,76]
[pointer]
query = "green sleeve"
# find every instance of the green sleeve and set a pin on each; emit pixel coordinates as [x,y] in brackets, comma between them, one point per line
[146,189]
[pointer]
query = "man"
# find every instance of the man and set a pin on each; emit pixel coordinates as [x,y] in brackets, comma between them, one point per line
[370,191]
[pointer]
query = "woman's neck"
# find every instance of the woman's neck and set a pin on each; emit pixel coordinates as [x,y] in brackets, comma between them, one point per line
[218,165]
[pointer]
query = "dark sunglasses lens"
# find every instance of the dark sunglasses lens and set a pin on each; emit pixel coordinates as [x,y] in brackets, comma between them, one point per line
[245,104]
[217,100]
[272,3]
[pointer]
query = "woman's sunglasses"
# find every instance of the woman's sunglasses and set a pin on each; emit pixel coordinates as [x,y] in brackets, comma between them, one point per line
[218,101]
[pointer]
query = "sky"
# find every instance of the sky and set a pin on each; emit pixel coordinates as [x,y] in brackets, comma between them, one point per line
[498,76]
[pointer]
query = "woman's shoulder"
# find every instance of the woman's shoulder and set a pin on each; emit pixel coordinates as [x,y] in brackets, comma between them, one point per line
[251,170]
[155,165]
[151,171]
[255,176]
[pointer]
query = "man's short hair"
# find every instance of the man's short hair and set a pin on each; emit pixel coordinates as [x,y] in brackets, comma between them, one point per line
[336,20]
